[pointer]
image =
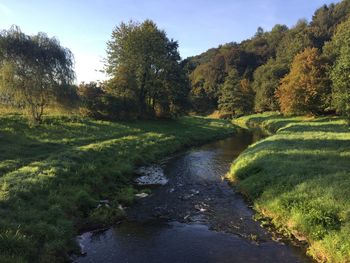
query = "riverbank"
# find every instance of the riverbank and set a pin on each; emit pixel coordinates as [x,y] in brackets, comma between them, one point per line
[300,178]
[54,176]
[195,217]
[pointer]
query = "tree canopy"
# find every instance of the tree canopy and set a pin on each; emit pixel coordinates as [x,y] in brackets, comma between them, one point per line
[33,70]
[338,51]
[305,89]
[267,57]
[144,68]
[235,97]
[148,79]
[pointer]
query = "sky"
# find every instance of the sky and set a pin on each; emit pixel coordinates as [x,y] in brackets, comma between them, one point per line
[84,26]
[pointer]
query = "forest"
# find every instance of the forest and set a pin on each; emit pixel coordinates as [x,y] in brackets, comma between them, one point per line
[68,150]
[299,70]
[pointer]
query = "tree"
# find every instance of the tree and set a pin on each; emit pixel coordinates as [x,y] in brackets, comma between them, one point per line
[293,42]
[268,76]
[144,66]
[90,96]
[340,76]
[338,51]
[305,89]
[266,81]
[236,97]
[321,25]
[208,76]
[248,96]
[33,70]
[264,44]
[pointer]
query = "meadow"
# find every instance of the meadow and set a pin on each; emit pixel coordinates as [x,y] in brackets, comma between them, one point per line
[299,178]
[52,176]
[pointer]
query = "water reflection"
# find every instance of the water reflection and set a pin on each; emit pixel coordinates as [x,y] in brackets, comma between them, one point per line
[178,243]
[198,170]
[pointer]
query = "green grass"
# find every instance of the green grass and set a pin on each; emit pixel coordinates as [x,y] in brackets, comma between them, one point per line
[300,179]
[53,176]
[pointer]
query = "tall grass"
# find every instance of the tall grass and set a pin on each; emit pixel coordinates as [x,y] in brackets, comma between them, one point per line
[300,178]
[52,176]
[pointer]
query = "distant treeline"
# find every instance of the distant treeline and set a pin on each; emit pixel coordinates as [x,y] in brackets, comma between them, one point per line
[300,70]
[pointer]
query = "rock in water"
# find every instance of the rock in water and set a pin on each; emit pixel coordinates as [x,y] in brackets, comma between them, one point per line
[151,175]
[141,195]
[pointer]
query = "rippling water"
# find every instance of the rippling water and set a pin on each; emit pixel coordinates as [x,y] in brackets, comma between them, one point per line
[196,217]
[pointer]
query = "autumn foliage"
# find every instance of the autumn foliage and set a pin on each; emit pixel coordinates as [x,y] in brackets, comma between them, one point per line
[304,90]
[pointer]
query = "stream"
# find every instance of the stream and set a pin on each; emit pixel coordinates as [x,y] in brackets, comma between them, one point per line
[195,217]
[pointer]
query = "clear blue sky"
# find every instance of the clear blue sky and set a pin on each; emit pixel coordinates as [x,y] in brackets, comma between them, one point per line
[84,26]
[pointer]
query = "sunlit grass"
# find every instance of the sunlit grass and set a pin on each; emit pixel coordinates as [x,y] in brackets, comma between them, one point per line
[53,176]
[300,177]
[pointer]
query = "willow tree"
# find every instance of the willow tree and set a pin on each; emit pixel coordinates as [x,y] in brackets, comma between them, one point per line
[33,70]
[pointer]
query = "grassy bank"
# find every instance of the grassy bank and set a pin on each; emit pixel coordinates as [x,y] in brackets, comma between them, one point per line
[53,176]
[300,178]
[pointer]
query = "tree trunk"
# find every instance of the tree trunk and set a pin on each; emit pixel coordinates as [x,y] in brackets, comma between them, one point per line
[142,96]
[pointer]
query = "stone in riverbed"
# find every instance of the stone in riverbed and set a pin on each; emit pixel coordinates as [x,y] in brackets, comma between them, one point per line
[194,192]
[151,175]
[104,203]
[141,195]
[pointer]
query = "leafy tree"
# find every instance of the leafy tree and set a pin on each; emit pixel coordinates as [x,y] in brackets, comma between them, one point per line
[205,81]
[215,74]
[90,95]
[248,96]
[264,59]
[264,44]
[325,21]
[266,81]
[244,61]
[144,65]
[207,78]
[321,25]
[268,76]
[33,70]
[295,41]
[340,76]
[236,97]
[338,50]
[274,38]
[305,89]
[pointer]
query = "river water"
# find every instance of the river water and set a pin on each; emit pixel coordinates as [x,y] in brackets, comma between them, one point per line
[196,217]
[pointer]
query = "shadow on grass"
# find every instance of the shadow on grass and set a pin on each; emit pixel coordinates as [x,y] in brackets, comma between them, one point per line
[300,178]
[43,202]
[316,127]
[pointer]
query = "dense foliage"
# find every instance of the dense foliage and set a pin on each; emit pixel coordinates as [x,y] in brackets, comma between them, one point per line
[235,96]
[147,78]
[305,90]
[267,57]
[266,81]
[145,72]
[34,70]
[338,51]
